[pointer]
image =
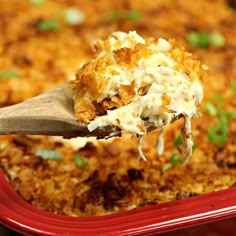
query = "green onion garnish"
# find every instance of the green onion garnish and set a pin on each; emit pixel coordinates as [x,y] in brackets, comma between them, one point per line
[114,16]
[179,140]
[229,114]
[134,15]
[73,16]
[79,161]
[194,146]
[175,159]
[217,39]
[205,39]
[166,167]
[233,86]
[8,74]
[48,154]
[218,134]
[36,2]
[48,25]
[130,15]
[211,109]
[199,39]
[218,101]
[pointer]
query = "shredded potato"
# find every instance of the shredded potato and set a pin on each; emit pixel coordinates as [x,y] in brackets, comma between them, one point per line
[139,84]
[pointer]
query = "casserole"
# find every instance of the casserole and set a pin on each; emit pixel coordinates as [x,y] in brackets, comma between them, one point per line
[30,70]
[24,218]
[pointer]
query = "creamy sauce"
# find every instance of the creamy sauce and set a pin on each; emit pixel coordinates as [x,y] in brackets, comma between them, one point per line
[169,91]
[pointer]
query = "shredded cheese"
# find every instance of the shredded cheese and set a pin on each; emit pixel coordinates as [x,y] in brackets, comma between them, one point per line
[141,84]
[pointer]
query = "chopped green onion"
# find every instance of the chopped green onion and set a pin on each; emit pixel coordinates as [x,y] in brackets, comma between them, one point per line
[48,154]
[130,15]
[233,86]
[73,16]
[194,146]
[48,25]
[36,2]
[229,114]
[211,109]
[175,159]
[114,16]
[8,74]
[218,102]
[199,39]
[205,39]
[79,161]
[179,140]
[217,39]
[134,15]
[218,134]
[166,167]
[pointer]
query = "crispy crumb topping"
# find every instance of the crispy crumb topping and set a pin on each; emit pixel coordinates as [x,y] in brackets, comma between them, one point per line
[139,83]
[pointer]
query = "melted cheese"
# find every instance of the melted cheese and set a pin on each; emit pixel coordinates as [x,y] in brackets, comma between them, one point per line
[169,89]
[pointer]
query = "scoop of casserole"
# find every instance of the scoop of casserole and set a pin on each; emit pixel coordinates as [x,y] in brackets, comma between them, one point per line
[139,84]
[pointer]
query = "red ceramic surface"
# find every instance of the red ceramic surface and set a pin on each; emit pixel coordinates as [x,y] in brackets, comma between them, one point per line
[24,218]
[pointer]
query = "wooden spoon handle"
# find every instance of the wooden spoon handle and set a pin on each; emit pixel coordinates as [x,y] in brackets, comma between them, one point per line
[50,113]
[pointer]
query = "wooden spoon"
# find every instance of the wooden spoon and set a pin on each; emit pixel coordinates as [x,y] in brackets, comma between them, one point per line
[50,113]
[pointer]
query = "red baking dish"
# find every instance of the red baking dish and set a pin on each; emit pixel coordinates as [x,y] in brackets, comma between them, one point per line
[172,216]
